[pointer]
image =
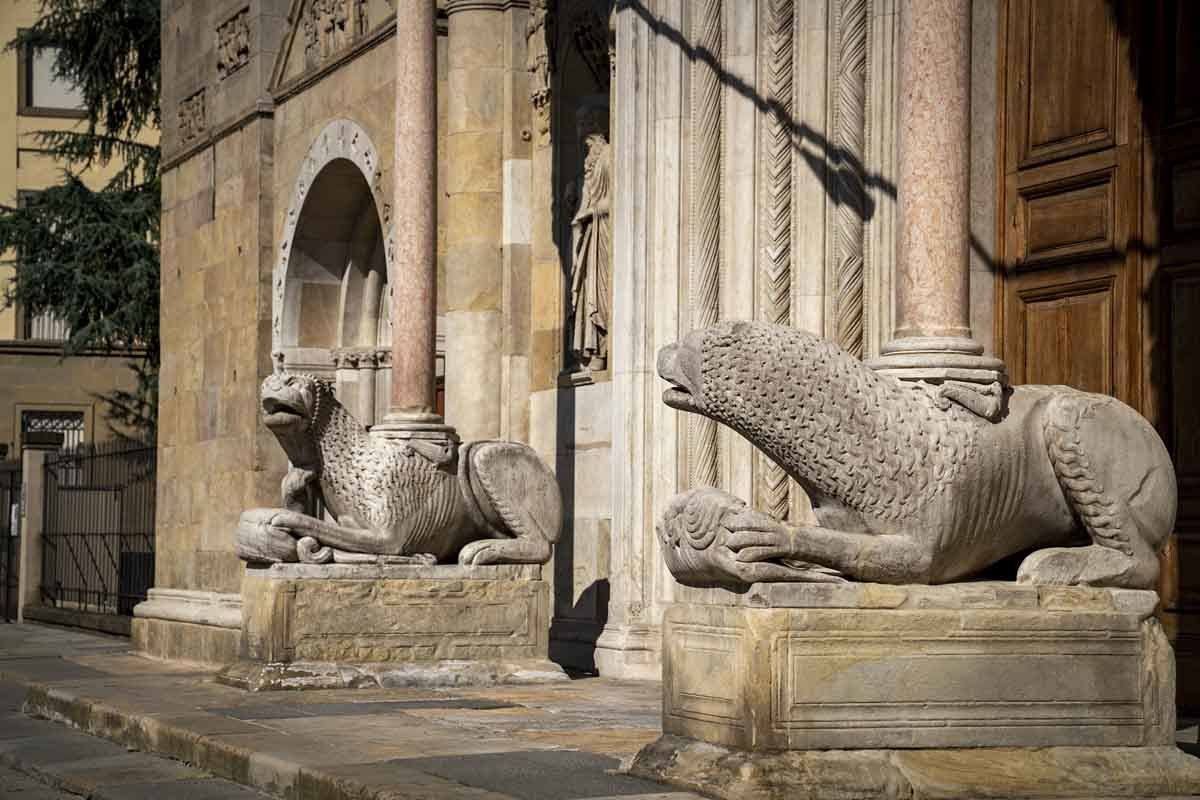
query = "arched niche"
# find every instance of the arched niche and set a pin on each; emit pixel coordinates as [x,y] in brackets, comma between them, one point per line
[334,258]
[329,310]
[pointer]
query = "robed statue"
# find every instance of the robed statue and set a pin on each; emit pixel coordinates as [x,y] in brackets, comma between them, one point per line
[591,263]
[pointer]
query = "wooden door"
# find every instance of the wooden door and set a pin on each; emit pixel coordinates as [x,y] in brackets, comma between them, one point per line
[1099,279]
[1071,181]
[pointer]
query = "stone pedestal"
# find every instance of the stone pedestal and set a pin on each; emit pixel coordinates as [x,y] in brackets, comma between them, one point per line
[350,626]
[821,687]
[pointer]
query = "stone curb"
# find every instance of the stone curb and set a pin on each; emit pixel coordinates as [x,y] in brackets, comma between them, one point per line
[266,773]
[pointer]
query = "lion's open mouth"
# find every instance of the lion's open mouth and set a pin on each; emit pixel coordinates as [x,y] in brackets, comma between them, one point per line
[279,413]
[670,369]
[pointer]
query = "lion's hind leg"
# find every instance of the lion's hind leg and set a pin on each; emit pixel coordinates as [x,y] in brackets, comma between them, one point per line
[1117,479]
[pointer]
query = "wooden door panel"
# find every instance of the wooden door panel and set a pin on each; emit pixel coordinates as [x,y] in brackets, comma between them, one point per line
[1068,81]
[1182,195]
[1184,62]
[1184,435]
[1066,219]
[1066,334]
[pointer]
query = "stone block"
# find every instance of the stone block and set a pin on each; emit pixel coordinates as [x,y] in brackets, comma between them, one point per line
[352,625]
[861,667]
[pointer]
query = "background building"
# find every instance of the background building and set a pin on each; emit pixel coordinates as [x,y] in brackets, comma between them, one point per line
[45,400]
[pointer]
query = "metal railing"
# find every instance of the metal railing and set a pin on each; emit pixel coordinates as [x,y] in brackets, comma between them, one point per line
[98,534]
[10,542]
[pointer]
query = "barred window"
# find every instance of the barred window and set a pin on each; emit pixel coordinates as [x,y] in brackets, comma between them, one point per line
[56,429]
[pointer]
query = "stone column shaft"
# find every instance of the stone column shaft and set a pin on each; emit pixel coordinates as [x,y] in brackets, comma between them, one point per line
[932,291]
[932,340]
[414,284]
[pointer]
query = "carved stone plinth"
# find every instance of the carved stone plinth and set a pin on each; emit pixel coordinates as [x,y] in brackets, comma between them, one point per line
[779,676]
[349,626]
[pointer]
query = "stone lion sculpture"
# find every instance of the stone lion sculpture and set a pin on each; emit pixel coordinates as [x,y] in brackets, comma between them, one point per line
[907,484]
[484,502]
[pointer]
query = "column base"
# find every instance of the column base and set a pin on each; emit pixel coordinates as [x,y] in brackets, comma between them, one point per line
[407,428]
[937,359]
[1045,773]
[188,625]
[630,652]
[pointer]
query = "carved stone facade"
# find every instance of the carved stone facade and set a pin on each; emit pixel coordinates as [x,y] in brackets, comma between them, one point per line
[747,150]
[233,44]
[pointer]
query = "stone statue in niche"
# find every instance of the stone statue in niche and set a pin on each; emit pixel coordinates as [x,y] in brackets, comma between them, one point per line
[591,257]
[485,502]
[910,482]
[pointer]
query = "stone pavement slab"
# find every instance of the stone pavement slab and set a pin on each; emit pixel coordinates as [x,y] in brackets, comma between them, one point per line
[16,786]
[564,740]
[537,775]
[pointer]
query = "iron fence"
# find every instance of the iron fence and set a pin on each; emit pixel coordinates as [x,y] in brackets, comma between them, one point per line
[10,542]
[98,535]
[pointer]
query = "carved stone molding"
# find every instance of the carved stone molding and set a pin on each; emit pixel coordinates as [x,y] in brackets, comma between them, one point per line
[340,139]
[193,118]
[704,284]
[776,299]
[539,36]
[360,357]
[233,44]
[849,137]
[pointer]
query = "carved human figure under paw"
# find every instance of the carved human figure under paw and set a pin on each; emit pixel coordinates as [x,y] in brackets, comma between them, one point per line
[485,502]
[908,485]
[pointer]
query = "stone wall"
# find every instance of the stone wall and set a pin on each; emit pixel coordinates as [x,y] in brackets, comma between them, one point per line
[216,258]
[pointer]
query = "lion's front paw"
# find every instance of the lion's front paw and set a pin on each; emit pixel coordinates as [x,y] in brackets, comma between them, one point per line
[260,538]
[481,552]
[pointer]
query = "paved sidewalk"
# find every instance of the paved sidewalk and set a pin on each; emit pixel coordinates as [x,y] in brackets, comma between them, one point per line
[560,741]
[43,760]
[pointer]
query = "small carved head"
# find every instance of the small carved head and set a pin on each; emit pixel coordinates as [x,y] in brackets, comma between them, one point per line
[291,401]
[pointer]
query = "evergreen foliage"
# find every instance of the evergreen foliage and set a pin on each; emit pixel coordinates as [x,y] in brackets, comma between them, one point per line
[91,256]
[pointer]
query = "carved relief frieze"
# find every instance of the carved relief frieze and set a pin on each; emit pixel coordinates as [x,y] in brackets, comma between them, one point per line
[233,44]
[330,26]
[192,117]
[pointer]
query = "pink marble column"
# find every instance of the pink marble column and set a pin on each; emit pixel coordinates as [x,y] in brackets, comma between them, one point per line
[414,215]
[932,339]
[932,292]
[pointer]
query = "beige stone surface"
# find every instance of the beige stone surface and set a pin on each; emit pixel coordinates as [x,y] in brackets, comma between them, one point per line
[879,667]
[353,616]
[172,640]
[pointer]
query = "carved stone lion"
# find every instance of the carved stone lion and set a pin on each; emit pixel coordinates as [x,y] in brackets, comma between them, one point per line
[908,485]
[485,502]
